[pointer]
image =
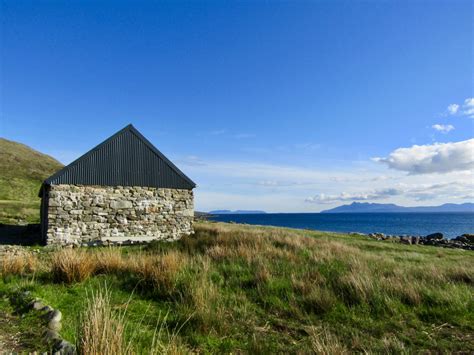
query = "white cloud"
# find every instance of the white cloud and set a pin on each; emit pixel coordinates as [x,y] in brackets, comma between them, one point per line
[434,158]
[236,184]
[453,109]
[443,128]
[468,107]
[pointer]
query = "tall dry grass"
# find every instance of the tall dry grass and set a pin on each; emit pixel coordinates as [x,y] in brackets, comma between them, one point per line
[230,276]
[101,331]
[21,264]
[204,296]
[72,265]
[110,261]
[323,342]
[159,271]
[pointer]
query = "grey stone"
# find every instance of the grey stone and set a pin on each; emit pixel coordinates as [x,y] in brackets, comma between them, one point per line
[435,236]
[54,325]
[64,348]
[122,212]
[121,204]
[51,335]
[37,305]
[55,316]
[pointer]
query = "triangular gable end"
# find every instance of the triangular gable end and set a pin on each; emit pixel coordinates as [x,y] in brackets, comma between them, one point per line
[125,159]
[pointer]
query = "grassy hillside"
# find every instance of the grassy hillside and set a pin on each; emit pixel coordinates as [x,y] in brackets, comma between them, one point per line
[23,169]
[247,289]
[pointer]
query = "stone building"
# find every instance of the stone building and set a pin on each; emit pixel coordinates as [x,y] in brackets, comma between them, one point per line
[123,189]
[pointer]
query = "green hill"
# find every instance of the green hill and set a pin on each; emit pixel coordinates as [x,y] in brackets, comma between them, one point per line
[23,170]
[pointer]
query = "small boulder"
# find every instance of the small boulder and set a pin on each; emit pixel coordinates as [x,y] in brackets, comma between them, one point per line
[435,236]
[64,348]
[47,309]
[469,238]
[55,316]
[37,305]
[405,240]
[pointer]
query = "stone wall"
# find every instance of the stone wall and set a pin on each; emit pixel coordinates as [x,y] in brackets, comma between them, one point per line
[81,214]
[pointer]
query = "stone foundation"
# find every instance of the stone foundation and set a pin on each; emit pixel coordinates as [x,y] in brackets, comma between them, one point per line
[79,214]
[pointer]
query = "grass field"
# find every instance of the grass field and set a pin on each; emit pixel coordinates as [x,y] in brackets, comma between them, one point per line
[13,212]
[23,170]
[234,288]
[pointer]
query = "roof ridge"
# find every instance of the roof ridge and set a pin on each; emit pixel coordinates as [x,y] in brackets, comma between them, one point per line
[159,154]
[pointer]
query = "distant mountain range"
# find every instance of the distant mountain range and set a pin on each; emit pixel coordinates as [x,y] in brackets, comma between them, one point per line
[236,212]
[365,207]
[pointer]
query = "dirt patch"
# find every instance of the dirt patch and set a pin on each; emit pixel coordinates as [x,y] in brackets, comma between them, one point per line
[9,334]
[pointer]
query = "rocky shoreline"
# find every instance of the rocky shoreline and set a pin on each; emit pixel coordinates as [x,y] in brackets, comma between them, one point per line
[465,241]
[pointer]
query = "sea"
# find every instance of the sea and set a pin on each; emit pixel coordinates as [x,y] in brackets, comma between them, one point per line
[415,224]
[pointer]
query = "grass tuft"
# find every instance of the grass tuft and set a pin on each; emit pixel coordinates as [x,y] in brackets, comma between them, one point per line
[72,265]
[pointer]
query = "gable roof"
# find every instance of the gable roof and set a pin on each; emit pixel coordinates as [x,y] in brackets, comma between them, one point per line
[125,159]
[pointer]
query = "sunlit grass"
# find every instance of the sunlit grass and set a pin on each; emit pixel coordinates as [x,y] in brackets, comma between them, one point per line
[235,288]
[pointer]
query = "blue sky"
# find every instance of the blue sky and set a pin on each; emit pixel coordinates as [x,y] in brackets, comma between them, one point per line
[282,106]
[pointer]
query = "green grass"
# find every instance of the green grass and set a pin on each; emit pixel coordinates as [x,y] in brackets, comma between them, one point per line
[234,288]
[13,212]
[26,327]
[23,170]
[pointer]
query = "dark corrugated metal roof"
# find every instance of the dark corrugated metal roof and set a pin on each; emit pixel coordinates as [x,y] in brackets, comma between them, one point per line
[125,159]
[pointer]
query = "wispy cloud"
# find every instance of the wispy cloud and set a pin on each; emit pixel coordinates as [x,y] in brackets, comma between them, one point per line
[464,109]
[227,133]
[468,107]
[234,184]
[346,197]
[420,192]
[433,158]
[443,128]
[458,190]
[191,160]
[217,132]
[453,109]
[244,135]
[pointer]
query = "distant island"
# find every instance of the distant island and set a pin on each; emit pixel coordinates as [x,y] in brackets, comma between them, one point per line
[365,207]
[236,212]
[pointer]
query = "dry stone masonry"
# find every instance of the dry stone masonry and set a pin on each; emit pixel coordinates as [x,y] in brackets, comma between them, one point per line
[79,214]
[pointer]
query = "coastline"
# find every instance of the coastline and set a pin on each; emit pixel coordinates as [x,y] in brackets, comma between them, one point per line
[401,224]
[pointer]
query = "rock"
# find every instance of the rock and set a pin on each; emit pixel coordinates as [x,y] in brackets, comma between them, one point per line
[37,305]
[51,335]
[64,347]
[435,236]
[47,309]
[54,325]
[405,240]
[120,204]
[55,316]
[465,238]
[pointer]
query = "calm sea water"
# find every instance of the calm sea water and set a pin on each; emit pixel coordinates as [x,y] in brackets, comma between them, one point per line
[450,224]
